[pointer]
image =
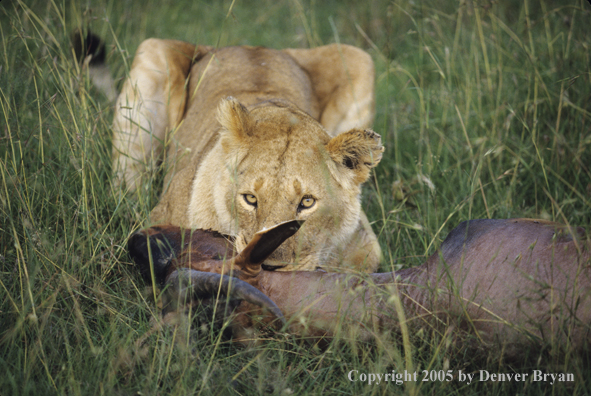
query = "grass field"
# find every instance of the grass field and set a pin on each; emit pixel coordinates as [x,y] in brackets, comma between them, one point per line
[485,111]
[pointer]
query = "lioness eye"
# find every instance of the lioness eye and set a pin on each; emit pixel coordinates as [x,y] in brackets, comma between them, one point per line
[307,202]
[250,199]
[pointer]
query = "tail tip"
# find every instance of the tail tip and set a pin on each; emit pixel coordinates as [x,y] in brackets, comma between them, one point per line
[88,44]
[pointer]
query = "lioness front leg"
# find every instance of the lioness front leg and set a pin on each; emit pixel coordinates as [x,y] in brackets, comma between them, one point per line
[151,103]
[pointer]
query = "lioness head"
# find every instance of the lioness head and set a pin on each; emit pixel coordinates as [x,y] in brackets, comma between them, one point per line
[279,164]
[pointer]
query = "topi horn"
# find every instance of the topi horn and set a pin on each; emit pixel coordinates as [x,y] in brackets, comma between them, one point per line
[262,244]
[185,285]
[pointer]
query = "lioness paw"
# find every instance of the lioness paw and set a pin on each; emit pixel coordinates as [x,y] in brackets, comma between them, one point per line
[357,150]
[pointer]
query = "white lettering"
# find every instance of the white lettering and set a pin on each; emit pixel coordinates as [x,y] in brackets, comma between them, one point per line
[461,376]
[552,377]
[482,375]
[372,378]
[465,377]
[407,376]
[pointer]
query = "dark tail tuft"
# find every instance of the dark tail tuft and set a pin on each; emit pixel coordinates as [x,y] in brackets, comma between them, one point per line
[89,44]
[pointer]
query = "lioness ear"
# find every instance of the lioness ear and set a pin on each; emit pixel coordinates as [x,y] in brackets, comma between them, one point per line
[237,124]
[357,150]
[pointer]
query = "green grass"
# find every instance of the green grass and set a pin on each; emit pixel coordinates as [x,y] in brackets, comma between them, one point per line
[485,111]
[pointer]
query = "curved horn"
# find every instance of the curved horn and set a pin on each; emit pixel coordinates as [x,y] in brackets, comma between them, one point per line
[263,243]
[186,284]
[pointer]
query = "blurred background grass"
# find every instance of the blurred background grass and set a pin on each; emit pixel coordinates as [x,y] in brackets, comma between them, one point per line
[484,109]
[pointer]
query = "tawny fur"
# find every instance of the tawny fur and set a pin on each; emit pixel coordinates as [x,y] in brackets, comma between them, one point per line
[280,125]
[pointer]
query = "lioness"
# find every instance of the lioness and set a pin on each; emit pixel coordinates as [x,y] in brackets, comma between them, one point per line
[254,137]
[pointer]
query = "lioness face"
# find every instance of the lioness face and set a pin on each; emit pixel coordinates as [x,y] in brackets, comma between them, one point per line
[282,165]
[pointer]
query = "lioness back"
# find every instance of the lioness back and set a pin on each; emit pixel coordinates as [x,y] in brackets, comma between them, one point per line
[251,75]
